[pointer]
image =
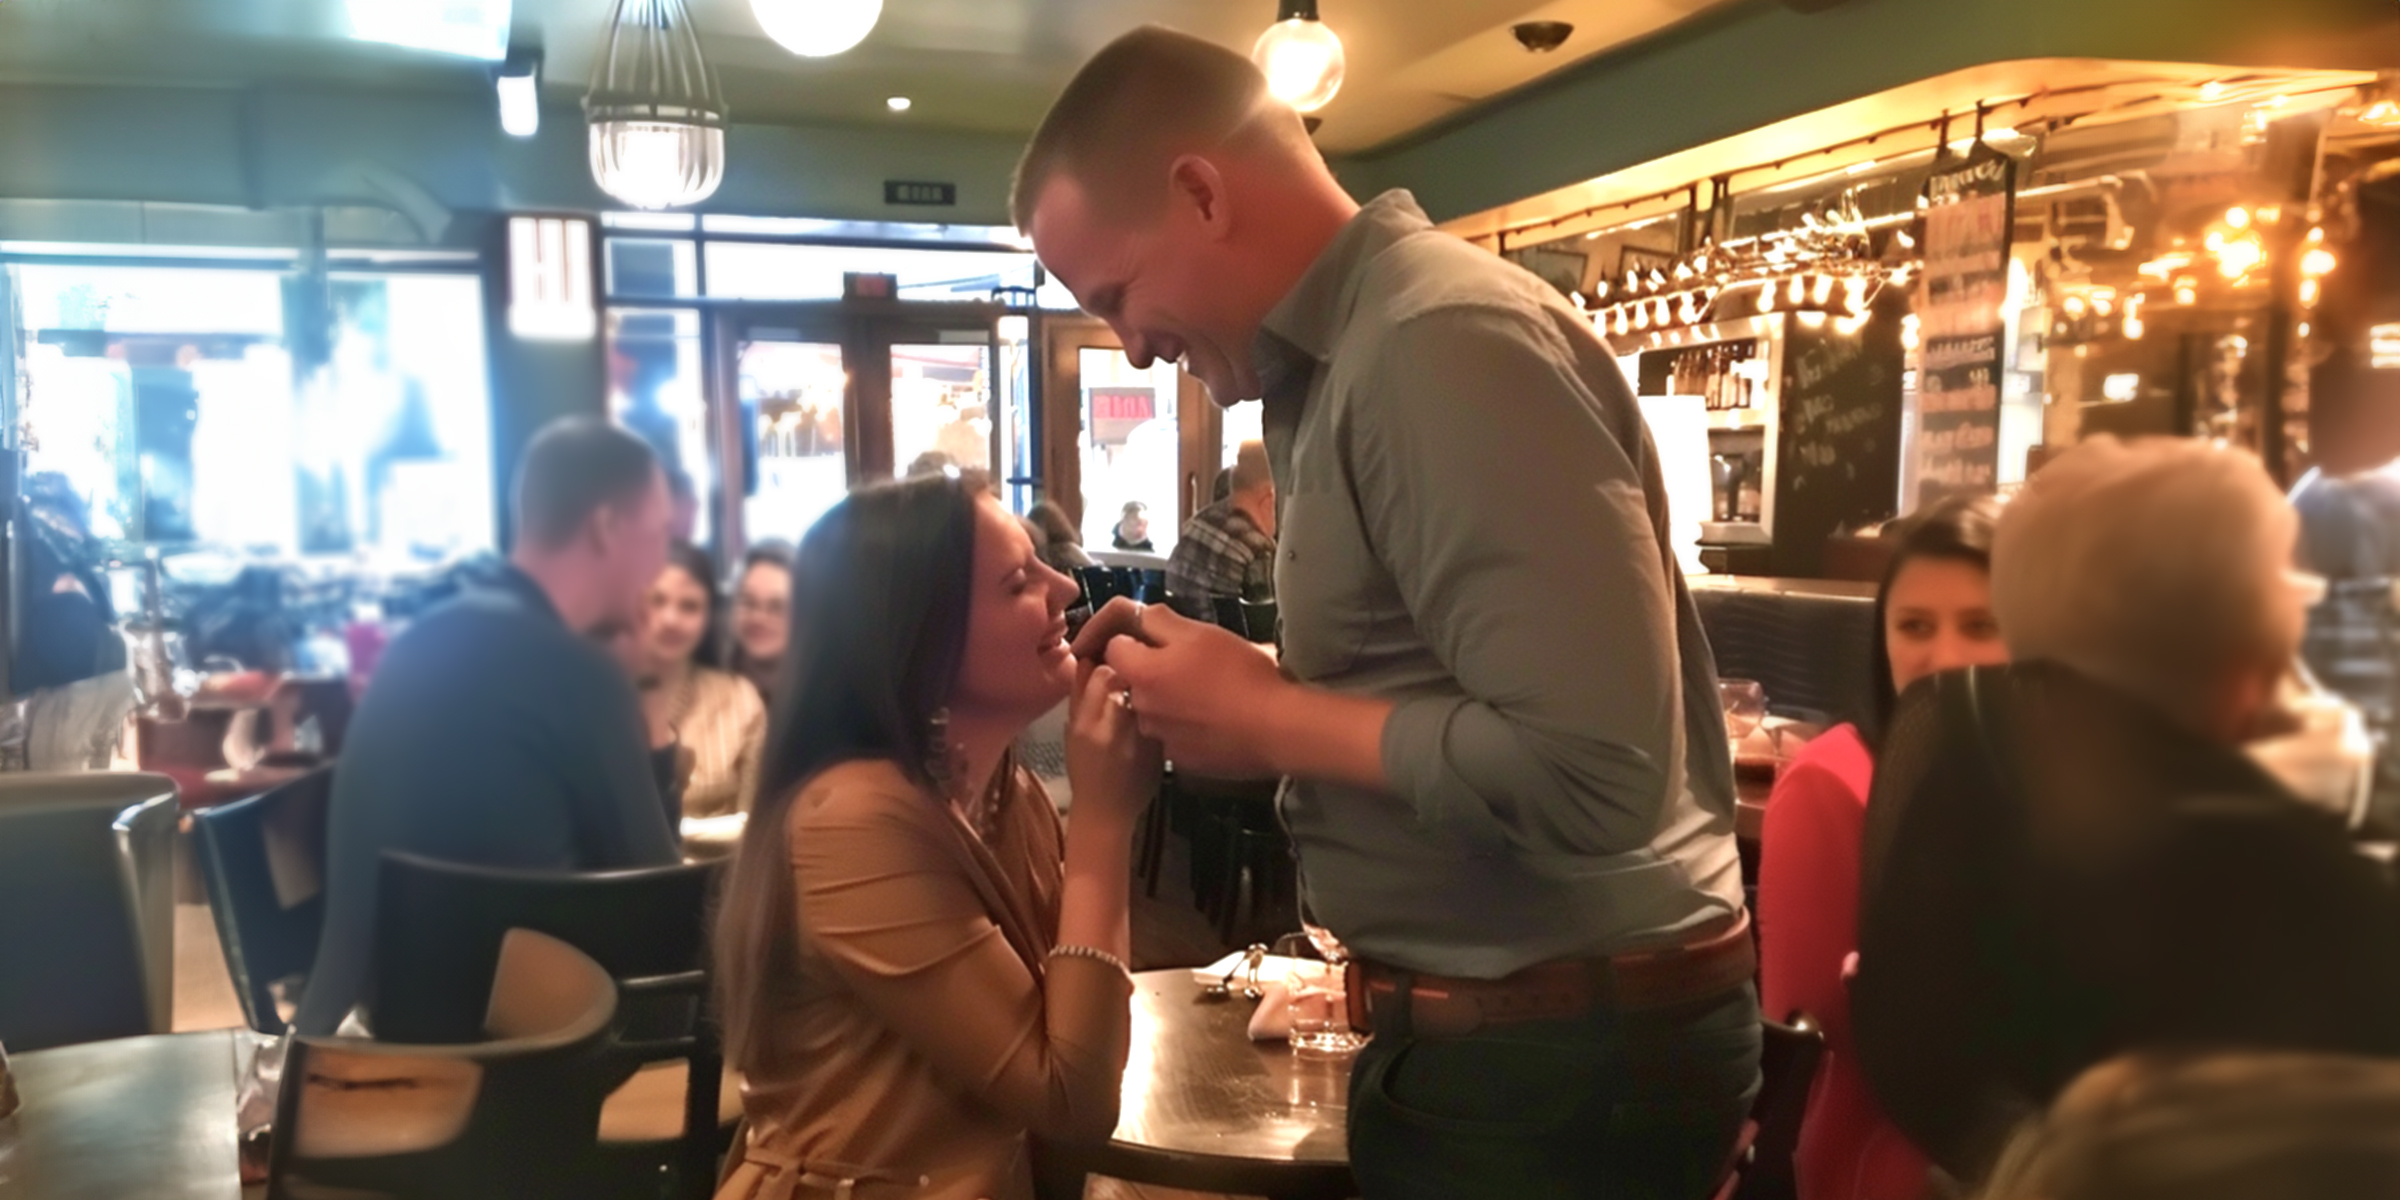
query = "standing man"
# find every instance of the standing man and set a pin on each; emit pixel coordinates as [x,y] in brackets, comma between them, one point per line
[499,730]
[1508,779]
[1228,548]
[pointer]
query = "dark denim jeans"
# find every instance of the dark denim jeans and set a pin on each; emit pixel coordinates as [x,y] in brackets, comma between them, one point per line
[1607,1106]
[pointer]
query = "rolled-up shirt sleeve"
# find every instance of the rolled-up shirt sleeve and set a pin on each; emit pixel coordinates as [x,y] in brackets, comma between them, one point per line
[1495,485]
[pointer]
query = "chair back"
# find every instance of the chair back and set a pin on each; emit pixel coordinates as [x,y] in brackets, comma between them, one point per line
[1787,1070]
[1228,613]
[263,862]
[1259,620]
[1099,585]
[439,931]
[514,1116]
[87,916]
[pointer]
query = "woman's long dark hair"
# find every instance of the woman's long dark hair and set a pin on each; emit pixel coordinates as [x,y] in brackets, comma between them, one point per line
[880,598]
[702,567]
[1958,529]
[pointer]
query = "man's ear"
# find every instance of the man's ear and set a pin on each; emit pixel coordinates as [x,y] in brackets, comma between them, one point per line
[1197,186]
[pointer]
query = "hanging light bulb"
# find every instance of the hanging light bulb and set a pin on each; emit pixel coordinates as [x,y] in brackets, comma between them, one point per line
[1302,59]
[817,28]
[657,117]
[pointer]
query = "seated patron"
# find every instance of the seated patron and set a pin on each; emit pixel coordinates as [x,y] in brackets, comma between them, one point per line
[762,616]
[2214,1127]
[1933,613]
[1133,529]
[1228,548]
[2081,855]
[713,714]
[499,729]
[916,969]
[1055,538]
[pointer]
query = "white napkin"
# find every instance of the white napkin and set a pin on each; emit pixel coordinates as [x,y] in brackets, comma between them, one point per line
[1273,969]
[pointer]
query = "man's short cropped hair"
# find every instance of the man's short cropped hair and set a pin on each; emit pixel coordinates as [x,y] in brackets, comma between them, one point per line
[1144,99]
[573,468]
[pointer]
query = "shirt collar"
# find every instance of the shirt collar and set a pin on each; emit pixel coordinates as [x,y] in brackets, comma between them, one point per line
[1301,329]
[513,580]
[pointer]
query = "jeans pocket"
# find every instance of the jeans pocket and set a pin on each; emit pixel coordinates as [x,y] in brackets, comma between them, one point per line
[1479,1085]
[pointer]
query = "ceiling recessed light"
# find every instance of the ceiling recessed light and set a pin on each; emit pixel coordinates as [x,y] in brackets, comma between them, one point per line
[898,103]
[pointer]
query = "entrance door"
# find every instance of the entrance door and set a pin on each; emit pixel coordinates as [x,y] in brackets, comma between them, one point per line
[816,399]
[1116,436]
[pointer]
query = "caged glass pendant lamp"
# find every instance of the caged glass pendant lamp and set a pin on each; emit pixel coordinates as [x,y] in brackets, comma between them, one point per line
[657,116]
[1302,59]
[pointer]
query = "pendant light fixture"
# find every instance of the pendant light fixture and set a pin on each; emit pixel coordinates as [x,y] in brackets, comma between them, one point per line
[1302,58]
[657,117]
[817,28]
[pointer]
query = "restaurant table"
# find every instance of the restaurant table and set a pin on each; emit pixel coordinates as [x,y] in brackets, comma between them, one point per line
[147,1117]
[1206,1108]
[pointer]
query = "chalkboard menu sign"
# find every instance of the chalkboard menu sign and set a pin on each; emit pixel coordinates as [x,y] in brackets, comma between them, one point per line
[1967,222]
[1838,461]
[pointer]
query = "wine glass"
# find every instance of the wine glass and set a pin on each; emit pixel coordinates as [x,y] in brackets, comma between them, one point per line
[1745,706]
[1320,1005]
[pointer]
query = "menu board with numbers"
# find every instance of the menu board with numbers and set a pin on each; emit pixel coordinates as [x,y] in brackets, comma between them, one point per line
[1959,313]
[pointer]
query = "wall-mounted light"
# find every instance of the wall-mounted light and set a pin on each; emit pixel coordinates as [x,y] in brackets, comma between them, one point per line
[519,82]
[899,104]
[550,279]
[1302,59]
[817,28]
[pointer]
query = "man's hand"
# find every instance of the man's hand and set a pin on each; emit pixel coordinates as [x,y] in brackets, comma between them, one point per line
[1117,618]
[1204,693]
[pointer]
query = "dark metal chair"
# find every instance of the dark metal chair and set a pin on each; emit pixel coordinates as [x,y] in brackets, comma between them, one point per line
[439,929]
[492,1119]
[263,863]
[1761,1168]
[87,917]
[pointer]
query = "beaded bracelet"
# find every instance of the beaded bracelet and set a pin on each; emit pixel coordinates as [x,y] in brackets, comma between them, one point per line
[1101,956]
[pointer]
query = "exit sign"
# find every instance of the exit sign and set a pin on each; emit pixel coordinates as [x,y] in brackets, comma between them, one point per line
[906,191]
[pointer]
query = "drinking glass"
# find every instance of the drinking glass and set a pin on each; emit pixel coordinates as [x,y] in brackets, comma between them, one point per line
[1745,706]
[1320,999]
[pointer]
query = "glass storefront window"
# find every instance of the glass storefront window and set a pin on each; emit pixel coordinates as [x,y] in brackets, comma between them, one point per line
[652,268]
[1130,446]
[654,389]
[941,404]
[793,396]
[169,400]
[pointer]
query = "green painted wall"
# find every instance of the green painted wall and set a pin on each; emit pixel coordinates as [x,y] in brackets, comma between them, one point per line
[1758,62]
[282,147]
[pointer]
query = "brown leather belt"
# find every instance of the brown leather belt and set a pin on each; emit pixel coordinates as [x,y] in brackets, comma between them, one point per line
[1716,962]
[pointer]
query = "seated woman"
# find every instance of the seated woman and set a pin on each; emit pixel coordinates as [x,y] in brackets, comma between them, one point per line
[2086,853]
[716,715]
[915,972]
[1933,613]
[762,616]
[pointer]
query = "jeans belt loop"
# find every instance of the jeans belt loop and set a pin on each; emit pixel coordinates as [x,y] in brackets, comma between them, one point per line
[1404,1017]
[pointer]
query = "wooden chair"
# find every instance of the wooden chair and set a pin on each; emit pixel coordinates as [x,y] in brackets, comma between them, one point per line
[439,929]
[263,862]
[506,1118]
[87,916]
[1761,1165]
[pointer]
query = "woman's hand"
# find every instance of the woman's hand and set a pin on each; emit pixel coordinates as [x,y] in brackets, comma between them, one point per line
[1113,768]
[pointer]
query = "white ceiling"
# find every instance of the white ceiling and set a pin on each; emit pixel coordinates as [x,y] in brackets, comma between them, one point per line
[983,65]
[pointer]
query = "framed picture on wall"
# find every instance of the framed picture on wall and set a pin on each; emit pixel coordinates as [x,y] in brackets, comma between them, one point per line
[1561,269]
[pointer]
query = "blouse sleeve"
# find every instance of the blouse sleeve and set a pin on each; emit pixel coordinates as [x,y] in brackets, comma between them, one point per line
[1808,897]
[892,912]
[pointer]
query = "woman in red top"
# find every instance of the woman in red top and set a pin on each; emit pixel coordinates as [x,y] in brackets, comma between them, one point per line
[1934,614]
